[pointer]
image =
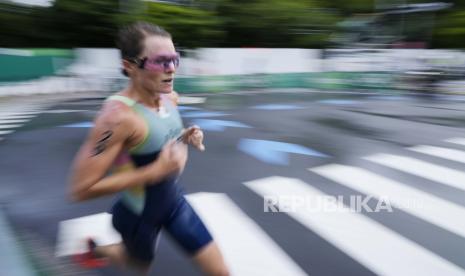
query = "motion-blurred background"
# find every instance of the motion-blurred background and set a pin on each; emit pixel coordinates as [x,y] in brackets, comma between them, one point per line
[300,100]
[356,44]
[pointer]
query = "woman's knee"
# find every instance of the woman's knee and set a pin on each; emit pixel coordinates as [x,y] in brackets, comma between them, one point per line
[211,260]
[220,271]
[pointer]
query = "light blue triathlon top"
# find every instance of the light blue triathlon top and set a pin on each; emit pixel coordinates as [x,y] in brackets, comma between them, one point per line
[162,126]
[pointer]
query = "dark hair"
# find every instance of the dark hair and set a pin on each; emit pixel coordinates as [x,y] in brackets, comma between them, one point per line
[131,39]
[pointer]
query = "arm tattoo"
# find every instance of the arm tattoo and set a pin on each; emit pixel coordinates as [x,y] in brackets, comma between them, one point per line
[102,143]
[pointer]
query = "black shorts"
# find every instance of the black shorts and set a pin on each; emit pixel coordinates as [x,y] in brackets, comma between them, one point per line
[141,237]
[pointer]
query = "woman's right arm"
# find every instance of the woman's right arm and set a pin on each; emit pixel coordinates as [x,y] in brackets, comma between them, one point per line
[95,157]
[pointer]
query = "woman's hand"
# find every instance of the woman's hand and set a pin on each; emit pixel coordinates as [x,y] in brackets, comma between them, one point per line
[172,160]
[194,136]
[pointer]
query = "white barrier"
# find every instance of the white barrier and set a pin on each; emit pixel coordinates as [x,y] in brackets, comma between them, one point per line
[104,62]
[100,69]
[369,60]
[93,70]
[239,61]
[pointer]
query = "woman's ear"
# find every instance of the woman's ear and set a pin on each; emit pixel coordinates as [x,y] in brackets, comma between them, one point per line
[128,68]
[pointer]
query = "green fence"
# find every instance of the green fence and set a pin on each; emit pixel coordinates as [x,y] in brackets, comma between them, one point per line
[321,80]
[26,64]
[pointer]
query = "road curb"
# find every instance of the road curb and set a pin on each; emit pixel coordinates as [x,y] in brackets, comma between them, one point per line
[14,260]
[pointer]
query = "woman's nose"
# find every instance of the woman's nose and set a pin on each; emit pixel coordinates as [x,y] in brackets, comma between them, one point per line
[170,67]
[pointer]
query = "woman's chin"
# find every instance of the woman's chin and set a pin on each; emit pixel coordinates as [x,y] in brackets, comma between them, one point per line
[162,91]
[167,89]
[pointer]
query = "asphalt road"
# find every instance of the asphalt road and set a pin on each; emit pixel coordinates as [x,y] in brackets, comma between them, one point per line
[280,146]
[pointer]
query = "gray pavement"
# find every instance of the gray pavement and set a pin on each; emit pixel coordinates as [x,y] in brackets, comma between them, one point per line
[349,129]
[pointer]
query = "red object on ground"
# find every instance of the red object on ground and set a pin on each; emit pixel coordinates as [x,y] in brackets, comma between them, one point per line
[88,259]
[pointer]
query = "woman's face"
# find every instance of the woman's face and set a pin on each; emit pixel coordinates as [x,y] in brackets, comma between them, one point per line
[157,76]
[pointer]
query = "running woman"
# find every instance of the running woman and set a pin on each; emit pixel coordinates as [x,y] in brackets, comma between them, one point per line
[139,135]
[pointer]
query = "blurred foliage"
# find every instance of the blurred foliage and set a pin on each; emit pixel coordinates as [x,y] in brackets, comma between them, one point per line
[353,6]
[190,26]
[450,31]
[276,23]
[68,23]
[88,23]
[213,23]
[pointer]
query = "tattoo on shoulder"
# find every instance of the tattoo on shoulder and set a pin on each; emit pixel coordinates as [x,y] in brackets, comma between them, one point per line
[102,143]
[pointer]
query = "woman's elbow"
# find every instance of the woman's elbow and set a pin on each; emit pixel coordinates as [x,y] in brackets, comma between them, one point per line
[75,196]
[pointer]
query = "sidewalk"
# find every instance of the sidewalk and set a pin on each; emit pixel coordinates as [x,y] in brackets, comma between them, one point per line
[13,260]
[331,82]
[61,85]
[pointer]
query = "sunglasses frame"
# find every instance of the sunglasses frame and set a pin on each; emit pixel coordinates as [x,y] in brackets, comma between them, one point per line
[141,62]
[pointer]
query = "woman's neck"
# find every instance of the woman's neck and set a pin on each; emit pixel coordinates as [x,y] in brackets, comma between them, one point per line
[152,100]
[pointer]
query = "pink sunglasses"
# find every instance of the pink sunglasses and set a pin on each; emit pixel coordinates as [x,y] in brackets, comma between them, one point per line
[157,63]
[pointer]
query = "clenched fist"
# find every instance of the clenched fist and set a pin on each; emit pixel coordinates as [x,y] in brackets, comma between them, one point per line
[194,136]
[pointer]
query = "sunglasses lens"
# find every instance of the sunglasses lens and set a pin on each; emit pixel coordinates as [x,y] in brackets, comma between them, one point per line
[161,63]
[176,62]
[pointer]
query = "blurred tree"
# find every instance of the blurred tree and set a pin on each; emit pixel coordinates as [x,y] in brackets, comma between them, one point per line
[276,23]
[84,23]
[190,26]
[355,6]
[209,23]
[450,29]
[16,25]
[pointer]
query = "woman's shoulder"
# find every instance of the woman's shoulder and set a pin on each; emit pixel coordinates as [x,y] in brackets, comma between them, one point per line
[116,111]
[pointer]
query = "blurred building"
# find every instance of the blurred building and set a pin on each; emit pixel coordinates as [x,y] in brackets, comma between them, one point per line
[400,26]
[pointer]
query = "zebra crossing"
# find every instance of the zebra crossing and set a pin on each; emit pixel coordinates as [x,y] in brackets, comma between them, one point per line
[16,113]
[460,141]
[430,208]
[445,153]
[247,248]
[371,243]
[436,173]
